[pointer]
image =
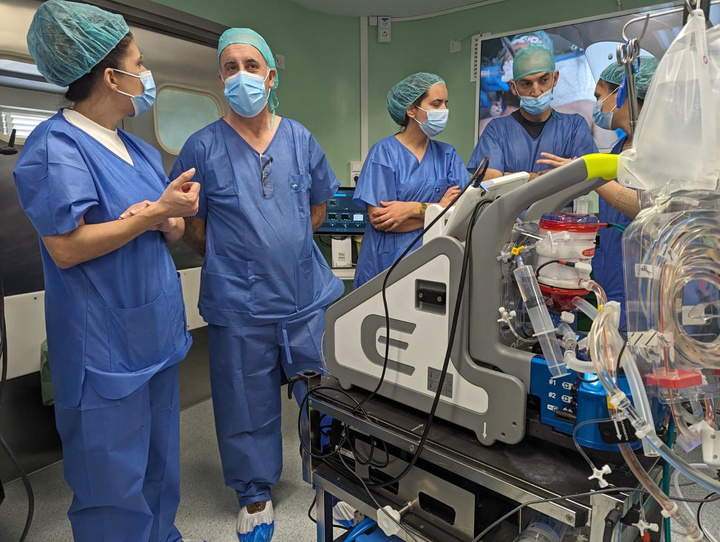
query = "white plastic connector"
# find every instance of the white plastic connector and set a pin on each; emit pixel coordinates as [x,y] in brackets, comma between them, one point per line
[710,440]
[643,526]
[669,513]
[385,517]
[583,269]
[567,317]
[643,432]
[617,399]
[599,475]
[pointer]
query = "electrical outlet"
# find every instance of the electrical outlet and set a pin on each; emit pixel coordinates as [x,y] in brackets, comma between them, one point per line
[455,46]
[384,31]
[354,169]
[280,61]
[372,21]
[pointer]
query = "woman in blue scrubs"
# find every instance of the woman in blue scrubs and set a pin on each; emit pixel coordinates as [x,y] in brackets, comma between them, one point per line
[405,172]
[114,312]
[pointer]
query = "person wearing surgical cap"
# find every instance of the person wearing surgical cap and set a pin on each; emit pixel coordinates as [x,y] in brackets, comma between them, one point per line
[517,142]
[405,172]
[104,210]
[618,204]
[264,284]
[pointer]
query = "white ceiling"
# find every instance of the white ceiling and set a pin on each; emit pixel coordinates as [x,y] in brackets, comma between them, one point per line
[389,8]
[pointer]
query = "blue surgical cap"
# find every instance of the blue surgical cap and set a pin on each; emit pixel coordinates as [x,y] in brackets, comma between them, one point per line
[533,59]
[613,74]
[68,39]
[250,37]
[408,90]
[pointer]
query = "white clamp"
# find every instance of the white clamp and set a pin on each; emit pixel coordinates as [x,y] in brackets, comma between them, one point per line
[643,526]
[710,440]
[599,475]
[385,517]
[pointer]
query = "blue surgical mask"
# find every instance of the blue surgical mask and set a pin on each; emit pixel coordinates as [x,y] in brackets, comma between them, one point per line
[436,121]
[603,119]
[141,102]
[246,93]
[536,105]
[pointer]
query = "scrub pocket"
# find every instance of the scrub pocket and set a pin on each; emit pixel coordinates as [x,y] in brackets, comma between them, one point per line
[225,285]
[299,187]
[141,337]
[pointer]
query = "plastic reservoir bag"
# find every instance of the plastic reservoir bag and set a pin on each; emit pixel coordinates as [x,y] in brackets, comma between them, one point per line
[675,143]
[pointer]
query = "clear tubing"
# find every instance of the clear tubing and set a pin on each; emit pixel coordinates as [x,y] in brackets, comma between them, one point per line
[595,288]
[685,251]
[598,349]
[585,306]
[576,364]
[671,457]
[639,396]
[676,484]
[687,521]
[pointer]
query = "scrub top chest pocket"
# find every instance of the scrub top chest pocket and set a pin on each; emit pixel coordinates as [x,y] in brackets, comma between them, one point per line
[300,194]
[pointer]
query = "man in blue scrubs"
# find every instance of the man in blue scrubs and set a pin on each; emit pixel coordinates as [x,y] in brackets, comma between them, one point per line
[264,286]
[520,141]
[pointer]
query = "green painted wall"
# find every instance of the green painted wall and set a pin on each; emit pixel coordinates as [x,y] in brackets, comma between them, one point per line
[424,45]
[320,86]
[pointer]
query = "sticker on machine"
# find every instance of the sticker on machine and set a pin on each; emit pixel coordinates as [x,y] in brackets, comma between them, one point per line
[589,252]
[434,381]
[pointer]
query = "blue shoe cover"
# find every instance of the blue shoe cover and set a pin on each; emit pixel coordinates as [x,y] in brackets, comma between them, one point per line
[257,527]
[261,533]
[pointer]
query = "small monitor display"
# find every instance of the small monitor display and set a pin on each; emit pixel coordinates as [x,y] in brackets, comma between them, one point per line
[344,217]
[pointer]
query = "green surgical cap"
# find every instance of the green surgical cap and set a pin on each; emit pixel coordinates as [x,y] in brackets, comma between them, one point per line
[408,90]
[613,74]
[250,37]
[68,39]
[533,59]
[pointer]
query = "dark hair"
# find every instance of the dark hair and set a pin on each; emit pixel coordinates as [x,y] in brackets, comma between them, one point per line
[416,103]
[81,89]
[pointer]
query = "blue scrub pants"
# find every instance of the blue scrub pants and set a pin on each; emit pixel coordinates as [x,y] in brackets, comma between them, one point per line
[245,378]
[122,461]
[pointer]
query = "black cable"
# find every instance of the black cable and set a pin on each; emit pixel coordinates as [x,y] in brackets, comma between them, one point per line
[474,182]
[448,352]
[592,381]
[335,525]
[537,271]
[3,444]
[699,522]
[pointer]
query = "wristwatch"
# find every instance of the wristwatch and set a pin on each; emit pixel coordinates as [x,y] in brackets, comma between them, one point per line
[423,208]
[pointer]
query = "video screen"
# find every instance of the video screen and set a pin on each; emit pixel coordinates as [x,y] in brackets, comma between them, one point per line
[344,217]
[582,51]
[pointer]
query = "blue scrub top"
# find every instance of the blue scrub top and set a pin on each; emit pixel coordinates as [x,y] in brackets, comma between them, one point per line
[392,173]
[608,263]
[261,263]
[120,318]
[511,149]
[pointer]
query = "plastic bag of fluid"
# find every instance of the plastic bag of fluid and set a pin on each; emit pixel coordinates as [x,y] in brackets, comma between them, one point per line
[675,142]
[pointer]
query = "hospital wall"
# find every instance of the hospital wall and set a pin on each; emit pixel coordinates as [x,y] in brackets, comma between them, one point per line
[320,85]
[424,45]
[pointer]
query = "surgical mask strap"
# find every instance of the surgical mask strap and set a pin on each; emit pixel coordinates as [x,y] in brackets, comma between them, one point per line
[131,75]
[606,97]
